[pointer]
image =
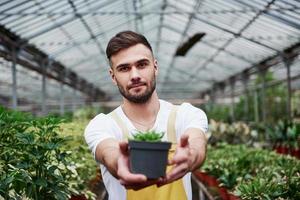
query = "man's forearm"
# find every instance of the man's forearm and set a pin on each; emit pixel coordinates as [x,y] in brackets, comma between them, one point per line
[107,153]
[197,146]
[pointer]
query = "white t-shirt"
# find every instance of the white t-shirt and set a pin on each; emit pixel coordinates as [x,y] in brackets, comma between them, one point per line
[103,127]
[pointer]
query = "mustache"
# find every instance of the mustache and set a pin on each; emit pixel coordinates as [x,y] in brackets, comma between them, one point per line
[136,84]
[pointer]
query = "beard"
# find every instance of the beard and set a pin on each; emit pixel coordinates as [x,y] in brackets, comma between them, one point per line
[139,98]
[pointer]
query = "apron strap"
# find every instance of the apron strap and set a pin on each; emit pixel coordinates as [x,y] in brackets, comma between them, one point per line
[121,124]
[171,130]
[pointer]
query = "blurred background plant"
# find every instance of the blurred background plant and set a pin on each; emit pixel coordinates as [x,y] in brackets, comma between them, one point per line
[38,162]
[254,173]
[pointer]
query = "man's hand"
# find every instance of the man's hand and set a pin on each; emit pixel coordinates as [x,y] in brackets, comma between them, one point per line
[126,178]
[189,155]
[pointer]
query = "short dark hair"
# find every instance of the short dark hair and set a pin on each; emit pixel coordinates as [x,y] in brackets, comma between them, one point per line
[124,40]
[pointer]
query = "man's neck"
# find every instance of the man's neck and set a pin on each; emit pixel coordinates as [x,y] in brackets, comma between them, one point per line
[143,113]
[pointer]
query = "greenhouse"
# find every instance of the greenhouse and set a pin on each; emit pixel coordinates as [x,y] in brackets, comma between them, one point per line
[235,62]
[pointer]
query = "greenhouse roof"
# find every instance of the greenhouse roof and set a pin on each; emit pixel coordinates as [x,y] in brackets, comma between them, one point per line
[236,35]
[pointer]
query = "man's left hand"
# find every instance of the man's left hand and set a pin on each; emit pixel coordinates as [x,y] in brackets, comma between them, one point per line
[188,156]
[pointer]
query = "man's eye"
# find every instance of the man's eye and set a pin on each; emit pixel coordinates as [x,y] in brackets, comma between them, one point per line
[142,64]
[123,69]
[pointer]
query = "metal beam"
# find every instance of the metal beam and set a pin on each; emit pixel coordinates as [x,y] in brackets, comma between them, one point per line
[161,19]
[272,16]
[210,45]
[236,35]
[11,7]
[213,46]
[10,40]
[98,24]
[177,12]
[64,22]
[54,26]
[21,20]
[90,58]
[183,34]
[136,15]
[289,53]
[76,44]
[127,11]
[88,28]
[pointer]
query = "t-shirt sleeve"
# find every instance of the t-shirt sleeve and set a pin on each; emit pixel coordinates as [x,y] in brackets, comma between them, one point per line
[192,117]
[98,130]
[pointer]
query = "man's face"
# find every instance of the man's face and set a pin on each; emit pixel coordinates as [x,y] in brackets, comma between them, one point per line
[134,71]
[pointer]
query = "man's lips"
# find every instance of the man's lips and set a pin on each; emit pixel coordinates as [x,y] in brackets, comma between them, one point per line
[136,85]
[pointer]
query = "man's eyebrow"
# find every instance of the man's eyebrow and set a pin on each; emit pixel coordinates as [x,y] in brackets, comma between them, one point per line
[127,64]
[142,60]
[122,65]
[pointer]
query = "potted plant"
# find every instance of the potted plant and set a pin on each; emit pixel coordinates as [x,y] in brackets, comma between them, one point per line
[148,155]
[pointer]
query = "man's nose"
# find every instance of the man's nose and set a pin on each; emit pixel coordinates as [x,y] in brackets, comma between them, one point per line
[135,75]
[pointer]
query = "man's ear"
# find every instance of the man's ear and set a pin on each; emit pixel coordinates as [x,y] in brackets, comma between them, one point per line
[156,67]
[112,75]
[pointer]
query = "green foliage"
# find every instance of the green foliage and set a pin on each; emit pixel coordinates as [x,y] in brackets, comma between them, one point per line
[66,117]
[218,112]
[261,134]
[32,162]
[284,132]
[254,173]
[82,158]
[87,113]
[148,136]
[235,133]
[275,104]
[35,162]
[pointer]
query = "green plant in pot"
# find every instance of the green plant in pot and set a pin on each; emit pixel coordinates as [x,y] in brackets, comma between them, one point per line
[148,155]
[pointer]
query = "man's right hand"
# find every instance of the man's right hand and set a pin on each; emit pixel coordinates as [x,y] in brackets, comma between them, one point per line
[126,178]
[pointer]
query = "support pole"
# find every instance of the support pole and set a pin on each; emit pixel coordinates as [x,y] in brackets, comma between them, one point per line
[232,86]
[74,100]
[62,100]
[44,88]
[62,94]
[263,96]
[256,115]
[212,98]
[289,89]
[14,79]
[245,80]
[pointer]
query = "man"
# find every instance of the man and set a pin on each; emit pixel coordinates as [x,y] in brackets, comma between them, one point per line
[133,70]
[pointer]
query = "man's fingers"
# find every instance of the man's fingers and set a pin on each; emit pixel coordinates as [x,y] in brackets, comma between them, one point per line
[123,147]
[184,140]
[138,186]
[176,173]
[179,169]
[125,175]
[132,178]
[181,155]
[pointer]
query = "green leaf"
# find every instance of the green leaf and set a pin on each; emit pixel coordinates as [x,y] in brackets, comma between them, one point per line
[26,138]
[41,182]
[149,136]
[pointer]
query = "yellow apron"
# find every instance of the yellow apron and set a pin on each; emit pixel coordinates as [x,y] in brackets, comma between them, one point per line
[172,191]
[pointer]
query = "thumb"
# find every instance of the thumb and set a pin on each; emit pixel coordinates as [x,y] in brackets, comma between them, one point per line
[123,147]
[184,140]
